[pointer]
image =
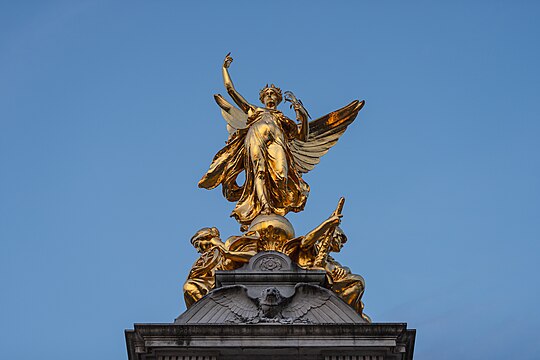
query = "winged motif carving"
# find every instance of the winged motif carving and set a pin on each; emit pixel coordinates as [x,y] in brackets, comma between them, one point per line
[271,305]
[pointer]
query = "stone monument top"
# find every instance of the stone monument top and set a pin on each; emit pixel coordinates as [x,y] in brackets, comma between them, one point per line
[269,293]
[273,151]
[271,289]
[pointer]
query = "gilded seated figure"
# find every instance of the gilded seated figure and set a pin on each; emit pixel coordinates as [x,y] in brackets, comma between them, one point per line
[350,287]
[215,255]
[312,252]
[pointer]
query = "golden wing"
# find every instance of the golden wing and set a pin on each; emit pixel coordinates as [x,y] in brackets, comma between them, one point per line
[324,133]
[236,119]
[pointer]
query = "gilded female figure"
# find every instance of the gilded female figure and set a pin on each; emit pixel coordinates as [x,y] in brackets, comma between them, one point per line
[272,149]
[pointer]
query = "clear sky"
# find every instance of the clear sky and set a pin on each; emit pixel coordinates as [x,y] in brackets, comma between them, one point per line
[107,122]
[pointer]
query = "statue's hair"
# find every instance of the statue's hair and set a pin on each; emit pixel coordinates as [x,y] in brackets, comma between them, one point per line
[205,233]
[275,89]
[340,235]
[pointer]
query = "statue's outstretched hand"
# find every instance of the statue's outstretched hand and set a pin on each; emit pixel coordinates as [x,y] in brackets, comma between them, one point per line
[289,97]
[228,60]
[296,104]
[334,220]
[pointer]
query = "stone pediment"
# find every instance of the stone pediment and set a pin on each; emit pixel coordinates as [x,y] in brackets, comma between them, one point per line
[270,289]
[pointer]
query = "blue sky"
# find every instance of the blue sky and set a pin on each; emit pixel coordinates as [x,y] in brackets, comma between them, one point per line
[107,122]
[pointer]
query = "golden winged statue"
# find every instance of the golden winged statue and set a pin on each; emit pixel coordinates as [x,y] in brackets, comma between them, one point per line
[273,151]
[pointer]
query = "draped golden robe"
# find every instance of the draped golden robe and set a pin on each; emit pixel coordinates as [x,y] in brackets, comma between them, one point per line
[350,287]
[272,183]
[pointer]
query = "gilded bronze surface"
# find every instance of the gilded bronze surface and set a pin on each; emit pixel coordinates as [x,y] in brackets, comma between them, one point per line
[215,255]
[274,152]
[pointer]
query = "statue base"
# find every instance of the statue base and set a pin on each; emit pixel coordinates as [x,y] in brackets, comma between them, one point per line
[270,341]
[270,309]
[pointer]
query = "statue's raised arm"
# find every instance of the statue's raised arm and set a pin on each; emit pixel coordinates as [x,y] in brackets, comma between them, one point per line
[301,115]
[236,118]
[229,86]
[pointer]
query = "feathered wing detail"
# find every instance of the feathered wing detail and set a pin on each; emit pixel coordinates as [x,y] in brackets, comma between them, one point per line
[324,133]
[306,298]
[236,299]
[236,119]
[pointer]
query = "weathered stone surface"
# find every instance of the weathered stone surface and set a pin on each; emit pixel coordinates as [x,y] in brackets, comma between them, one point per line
[267,269]
[271,341]
[310,304]
[270,289]
[270,309]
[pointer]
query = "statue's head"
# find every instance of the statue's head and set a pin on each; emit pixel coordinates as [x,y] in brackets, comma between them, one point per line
[338,239]
[270,296]
[271,96]
[205,238]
